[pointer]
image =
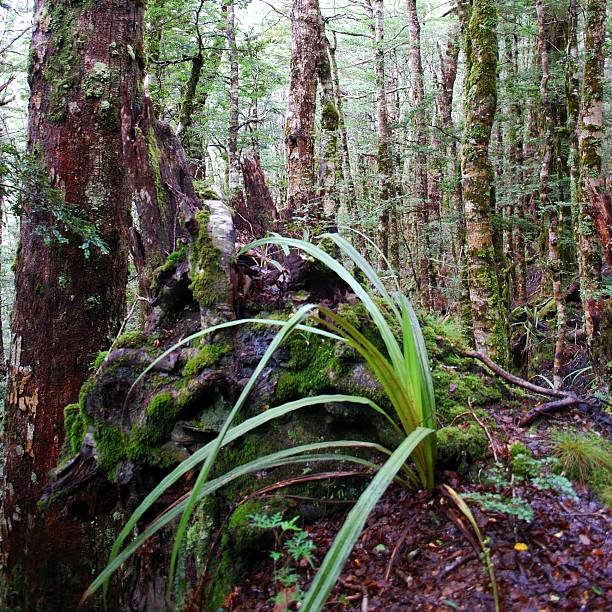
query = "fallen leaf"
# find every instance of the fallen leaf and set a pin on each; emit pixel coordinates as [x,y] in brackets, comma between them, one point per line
[521,546]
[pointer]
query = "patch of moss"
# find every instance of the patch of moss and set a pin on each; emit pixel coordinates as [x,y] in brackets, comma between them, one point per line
[131,339]
[206,357]
[75,426]
[205,191]
[97,80]
[208,281]
[111,444]
[312,361]
[461,446]
[99,360]
[175,258]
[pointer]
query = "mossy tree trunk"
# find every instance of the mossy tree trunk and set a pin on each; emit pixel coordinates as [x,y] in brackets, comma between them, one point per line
[592,184]
[384,157]
[545,204]
[489,316]
[330,119]
[233,156]
[427,280]
[67,305]
[300,122]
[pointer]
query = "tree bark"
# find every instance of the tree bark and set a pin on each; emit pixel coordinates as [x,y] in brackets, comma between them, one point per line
[553,217]
[427,279]
[592,184]
[299,127]
[489,316]
[67,305]
[233,157]
[384,156]
[330,120]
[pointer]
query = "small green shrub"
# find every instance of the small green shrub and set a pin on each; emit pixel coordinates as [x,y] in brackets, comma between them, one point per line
[495,502]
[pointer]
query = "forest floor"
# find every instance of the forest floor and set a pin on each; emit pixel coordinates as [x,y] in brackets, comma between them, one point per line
[414,555]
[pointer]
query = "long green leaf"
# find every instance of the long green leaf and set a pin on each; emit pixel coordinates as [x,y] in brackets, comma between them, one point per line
[232,435]
[284,331]
[379,319]
[278,459]
[337,555]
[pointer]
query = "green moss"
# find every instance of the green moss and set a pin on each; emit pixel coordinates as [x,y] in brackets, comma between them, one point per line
[99,360]
[461,446]
[522,461]
[131,339]
[312,361]
[85,390]
[75,426]
[204,191]
[175,258]
[111,444]
[208,281]
[155,160]
[207,356]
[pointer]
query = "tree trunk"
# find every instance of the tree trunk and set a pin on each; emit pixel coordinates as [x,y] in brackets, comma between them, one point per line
[299,128]
[233,157]
[67,305]
[426,277]
[330,119]
[553,229]
[488,313]
[384,157]
[259,214]
[592,185]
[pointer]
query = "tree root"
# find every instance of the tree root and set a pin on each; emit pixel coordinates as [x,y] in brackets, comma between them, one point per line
[563,401]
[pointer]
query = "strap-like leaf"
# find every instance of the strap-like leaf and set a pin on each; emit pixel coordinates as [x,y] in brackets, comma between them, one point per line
[337,555]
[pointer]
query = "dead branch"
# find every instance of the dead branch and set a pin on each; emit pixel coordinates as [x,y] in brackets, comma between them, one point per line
[548,408]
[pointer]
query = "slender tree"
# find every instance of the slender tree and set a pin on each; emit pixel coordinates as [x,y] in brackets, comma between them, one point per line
[69,301]
[488,313]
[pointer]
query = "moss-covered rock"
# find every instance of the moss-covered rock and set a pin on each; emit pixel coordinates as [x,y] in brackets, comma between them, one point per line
[209,355]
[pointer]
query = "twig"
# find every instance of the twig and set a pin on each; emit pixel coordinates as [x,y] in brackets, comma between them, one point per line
[487,432]
[396,549]
[511,378]
[453,566]
[548,407]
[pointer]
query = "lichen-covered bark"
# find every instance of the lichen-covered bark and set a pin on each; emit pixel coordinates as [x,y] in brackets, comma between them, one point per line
[592,184]
[384,156]
[330,119]
[162,188]
[545,168]
[488,313]
[299,127]
[67,305]
[426,275]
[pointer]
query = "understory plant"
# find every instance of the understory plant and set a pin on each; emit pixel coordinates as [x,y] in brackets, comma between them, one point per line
[401,369]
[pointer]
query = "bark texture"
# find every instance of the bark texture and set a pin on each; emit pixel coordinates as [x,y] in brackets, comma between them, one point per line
[488,312]
[299,127]
[67,305]
[592,185]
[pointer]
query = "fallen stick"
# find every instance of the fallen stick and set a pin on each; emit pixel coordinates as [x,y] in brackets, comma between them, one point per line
[565,399]
[548,408]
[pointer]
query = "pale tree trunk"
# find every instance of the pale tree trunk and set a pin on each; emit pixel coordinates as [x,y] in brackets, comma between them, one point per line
[592,184]
[233,157]
[384,157]
[330,119]
[517,177]
[553,229]
[347,170]
[426,277]
[488,313]
[67,306]
[299,128]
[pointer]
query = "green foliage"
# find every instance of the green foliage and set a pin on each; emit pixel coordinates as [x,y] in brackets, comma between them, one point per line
[461,446]
[494,502]
[208,280]
[59,222]
[75,426]
[175,258]
[587,458]
[404,375]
